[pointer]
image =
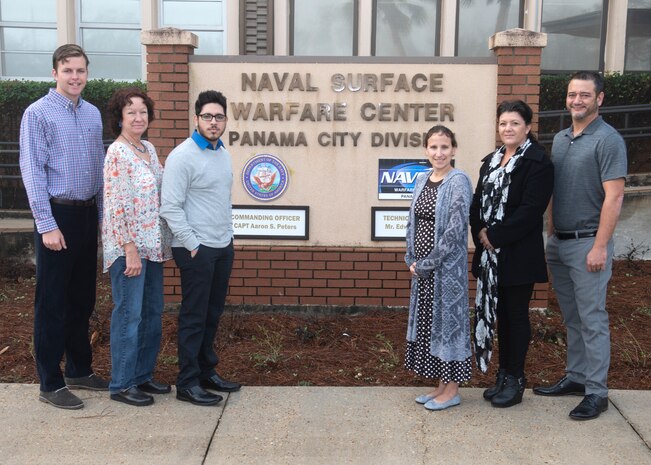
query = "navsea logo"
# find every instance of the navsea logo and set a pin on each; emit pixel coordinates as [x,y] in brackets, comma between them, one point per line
[396,178]
[264,177]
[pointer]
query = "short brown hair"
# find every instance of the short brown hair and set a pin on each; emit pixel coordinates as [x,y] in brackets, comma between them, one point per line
[440,129]
[596,78]
[120,99]
[67,51]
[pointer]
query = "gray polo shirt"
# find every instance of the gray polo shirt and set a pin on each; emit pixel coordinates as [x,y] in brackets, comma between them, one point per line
[196,194]
[581,165]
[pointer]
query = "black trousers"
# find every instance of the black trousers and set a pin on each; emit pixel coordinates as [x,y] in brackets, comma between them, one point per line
[65,297]
[513,327]
[204,284]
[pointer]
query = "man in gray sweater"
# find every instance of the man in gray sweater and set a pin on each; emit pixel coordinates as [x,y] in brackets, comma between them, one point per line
[196,203]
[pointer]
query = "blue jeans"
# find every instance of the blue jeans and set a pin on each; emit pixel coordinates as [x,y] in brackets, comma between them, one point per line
[135,323]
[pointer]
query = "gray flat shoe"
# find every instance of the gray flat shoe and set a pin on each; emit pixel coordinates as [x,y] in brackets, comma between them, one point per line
[433,405]
[424,399]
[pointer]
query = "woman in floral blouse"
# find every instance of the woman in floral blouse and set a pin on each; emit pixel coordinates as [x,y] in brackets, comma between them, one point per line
[136,243]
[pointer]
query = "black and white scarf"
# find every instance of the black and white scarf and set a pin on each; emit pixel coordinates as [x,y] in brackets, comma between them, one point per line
[495,192]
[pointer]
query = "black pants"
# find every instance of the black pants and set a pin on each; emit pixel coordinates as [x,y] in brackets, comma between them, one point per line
[513,327]
[204,284]
[65,297]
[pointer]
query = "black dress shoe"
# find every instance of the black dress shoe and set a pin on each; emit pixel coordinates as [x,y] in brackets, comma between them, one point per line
[133,396]
[198,396]
[564,387]
[153,387]
[590,407]
[217,383]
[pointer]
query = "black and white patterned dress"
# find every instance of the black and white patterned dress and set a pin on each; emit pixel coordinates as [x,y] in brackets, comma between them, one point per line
[418,357]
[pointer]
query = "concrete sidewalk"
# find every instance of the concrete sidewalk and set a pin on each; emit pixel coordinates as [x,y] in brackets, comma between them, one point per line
[317,425]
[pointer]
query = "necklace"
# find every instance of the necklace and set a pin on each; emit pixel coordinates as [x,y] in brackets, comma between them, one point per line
[141,150]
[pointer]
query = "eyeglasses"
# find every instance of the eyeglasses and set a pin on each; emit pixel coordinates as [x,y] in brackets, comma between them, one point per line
[207,117]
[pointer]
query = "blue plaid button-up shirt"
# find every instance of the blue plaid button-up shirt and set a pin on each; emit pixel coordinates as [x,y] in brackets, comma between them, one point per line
[61,154]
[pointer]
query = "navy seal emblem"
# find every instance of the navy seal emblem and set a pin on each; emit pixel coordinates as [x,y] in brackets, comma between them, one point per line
[265,177]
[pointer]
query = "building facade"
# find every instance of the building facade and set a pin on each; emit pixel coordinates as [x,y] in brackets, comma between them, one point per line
[329,236]
[604,35]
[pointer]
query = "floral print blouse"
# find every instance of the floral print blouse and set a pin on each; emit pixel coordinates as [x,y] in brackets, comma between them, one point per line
[132,205]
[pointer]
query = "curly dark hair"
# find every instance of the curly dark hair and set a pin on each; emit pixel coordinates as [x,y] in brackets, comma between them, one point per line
[120,99]
[209,96]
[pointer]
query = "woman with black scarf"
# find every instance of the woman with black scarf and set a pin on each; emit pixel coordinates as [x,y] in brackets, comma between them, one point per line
[506,219]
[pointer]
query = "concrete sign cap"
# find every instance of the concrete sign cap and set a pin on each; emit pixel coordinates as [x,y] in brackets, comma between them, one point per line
[169,36]
[517,38]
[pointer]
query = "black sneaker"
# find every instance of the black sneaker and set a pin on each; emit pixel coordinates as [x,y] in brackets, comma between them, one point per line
[91,382]
[61,398]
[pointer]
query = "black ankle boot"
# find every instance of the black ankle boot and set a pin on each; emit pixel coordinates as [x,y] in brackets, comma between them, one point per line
[499,384]
[511,393]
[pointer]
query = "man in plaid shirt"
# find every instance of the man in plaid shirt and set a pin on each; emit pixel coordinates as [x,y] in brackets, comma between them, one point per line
[61,161]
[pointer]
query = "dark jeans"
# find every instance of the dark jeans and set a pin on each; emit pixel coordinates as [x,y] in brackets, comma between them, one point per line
[513,327]
[204,284]
[65,297]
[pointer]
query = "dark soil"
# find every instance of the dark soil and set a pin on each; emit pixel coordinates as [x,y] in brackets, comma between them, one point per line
[365,349]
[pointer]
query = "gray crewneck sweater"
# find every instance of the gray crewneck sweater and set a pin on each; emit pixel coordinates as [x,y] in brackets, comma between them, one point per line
[196,196]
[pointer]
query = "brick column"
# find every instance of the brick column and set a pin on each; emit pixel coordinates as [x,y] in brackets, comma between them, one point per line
[168,80]
[518,54]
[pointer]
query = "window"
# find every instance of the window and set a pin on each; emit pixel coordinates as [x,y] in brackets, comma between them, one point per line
[480,19]
[320,28]
[638,36]
[406,28]
[205,18]
[109,32]
[28,37]
[575,35]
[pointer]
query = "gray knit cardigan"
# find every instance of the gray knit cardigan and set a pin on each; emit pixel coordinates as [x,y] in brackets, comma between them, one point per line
[448,264]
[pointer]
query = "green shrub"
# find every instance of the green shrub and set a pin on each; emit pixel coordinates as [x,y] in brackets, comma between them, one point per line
[99,91]
[17,95]
[620,89]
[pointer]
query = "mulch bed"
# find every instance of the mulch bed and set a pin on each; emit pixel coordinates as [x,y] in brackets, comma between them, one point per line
[365,349]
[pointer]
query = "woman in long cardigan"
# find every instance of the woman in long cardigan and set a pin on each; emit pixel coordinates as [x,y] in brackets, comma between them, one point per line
[438,334]
[506,220]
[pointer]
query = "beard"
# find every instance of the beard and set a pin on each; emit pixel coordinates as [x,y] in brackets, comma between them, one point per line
[210,134]
[584,113]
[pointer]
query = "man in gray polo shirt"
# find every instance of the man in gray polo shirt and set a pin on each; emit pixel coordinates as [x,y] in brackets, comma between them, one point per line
[590,168]
[196,203]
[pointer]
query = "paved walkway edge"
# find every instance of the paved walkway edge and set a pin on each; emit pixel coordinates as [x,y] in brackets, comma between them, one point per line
[321,425]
